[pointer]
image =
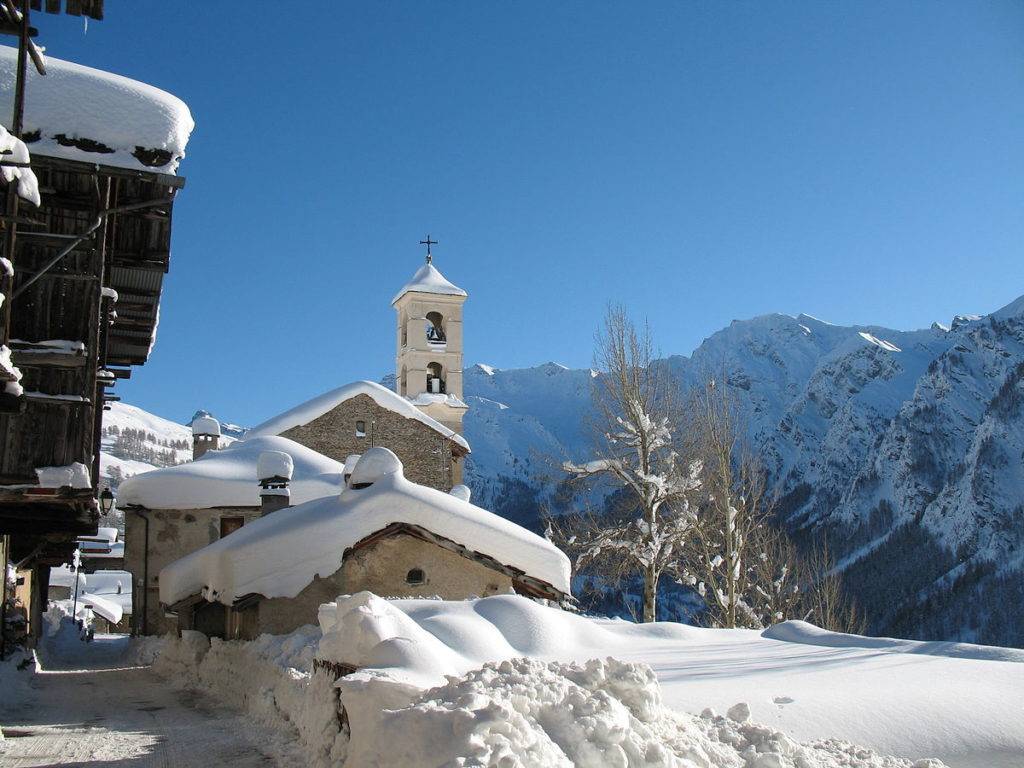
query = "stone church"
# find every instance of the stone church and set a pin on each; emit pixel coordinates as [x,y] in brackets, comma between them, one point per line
[421,422]
[174,511]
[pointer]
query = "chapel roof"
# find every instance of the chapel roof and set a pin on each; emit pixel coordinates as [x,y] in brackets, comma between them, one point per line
[428,279]
[304,413]
[280,554]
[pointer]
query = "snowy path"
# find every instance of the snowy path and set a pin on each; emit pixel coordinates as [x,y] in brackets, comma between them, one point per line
[86,710]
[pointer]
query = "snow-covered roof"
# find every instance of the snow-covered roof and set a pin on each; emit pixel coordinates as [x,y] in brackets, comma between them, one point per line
[80,103]
[306,412]
[280,554]
[428,279]
[227,478]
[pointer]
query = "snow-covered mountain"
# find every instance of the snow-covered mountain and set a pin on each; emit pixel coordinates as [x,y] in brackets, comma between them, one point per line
[904,448]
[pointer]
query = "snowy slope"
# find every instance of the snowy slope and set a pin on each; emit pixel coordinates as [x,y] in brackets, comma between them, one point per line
[136,441]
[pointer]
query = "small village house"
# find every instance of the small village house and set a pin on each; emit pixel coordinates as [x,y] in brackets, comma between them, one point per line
[173,511]
[383,533]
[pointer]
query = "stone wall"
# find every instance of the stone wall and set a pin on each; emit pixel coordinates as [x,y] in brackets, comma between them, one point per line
[381,568]
[425,453]
[173,533]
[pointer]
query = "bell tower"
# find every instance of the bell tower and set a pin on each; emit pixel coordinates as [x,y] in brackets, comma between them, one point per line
[428,365]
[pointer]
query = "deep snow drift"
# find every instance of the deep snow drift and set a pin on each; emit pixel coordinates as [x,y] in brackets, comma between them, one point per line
[897,697]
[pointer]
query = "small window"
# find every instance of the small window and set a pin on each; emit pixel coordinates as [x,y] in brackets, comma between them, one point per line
[415,576]
[360,429]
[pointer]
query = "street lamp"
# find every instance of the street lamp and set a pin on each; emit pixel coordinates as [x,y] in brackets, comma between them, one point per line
[106,501]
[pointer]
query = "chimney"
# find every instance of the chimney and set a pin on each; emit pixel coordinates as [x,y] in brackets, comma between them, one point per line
[274,472]
[205,435]
[350,463]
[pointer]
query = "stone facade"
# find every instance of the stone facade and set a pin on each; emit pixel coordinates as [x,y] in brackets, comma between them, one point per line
[428,456]
[173,533]
[382,567]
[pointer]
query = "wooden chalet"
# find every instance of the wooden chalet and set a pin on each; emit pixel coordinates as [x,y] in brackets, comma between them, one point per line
[81,307]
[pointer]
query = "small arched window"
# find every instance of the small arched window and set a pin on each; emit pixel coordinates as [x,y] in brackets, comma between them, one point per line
[435,328]
[360,429]
[415,576]
[435,378]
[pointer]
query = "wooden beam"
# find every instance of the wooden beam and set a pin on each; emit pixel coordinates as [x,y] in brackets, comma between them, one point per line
[48,359]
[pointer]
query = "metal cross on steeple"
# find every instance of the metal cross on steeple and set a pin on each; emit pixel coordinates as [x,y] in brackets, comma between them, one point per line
[428,242]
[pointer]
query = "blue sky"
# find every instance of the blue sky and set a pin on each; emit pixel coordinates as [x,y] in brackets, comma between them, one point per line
[696,161]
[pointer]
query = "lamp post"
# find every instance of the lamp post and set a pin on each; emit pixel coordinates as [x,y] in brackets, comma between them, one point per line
[76,565]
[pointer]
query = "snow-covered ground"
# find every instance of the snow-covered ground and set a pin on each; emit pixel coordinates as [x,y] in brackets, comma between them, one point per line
[92,704]
[956,702]
[505,681]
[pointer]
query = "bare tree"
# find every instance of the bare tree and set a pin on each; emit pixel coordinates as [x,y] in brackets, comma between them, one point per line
[636,450]
[734,560]
[826,602]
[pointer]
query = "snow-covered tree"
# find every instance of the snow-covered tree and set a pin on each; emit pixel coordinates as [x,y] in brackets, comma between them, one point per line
[734,561]
[637,450]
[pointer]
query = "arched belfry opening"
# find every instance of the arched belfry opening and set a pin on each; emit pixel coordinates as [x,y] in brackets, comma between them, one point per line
[435,378]
[435,328]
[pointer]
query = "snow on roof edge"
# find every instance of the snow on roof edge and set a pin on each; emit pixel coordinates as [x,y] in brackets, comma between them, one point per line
[76,106]
[428,279]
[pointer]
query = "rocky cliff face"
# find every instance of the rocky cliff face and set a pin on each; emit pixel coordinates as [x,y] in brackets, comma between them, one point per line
[905,449]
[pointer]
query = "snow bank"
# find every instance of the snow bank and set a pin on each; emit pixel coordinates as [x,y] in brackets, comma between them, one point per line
[278,555]
[78,102]
[271,678]
[428,279]
[306,412]
[515,713]
[227,478]
[814,685]
[525,712]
